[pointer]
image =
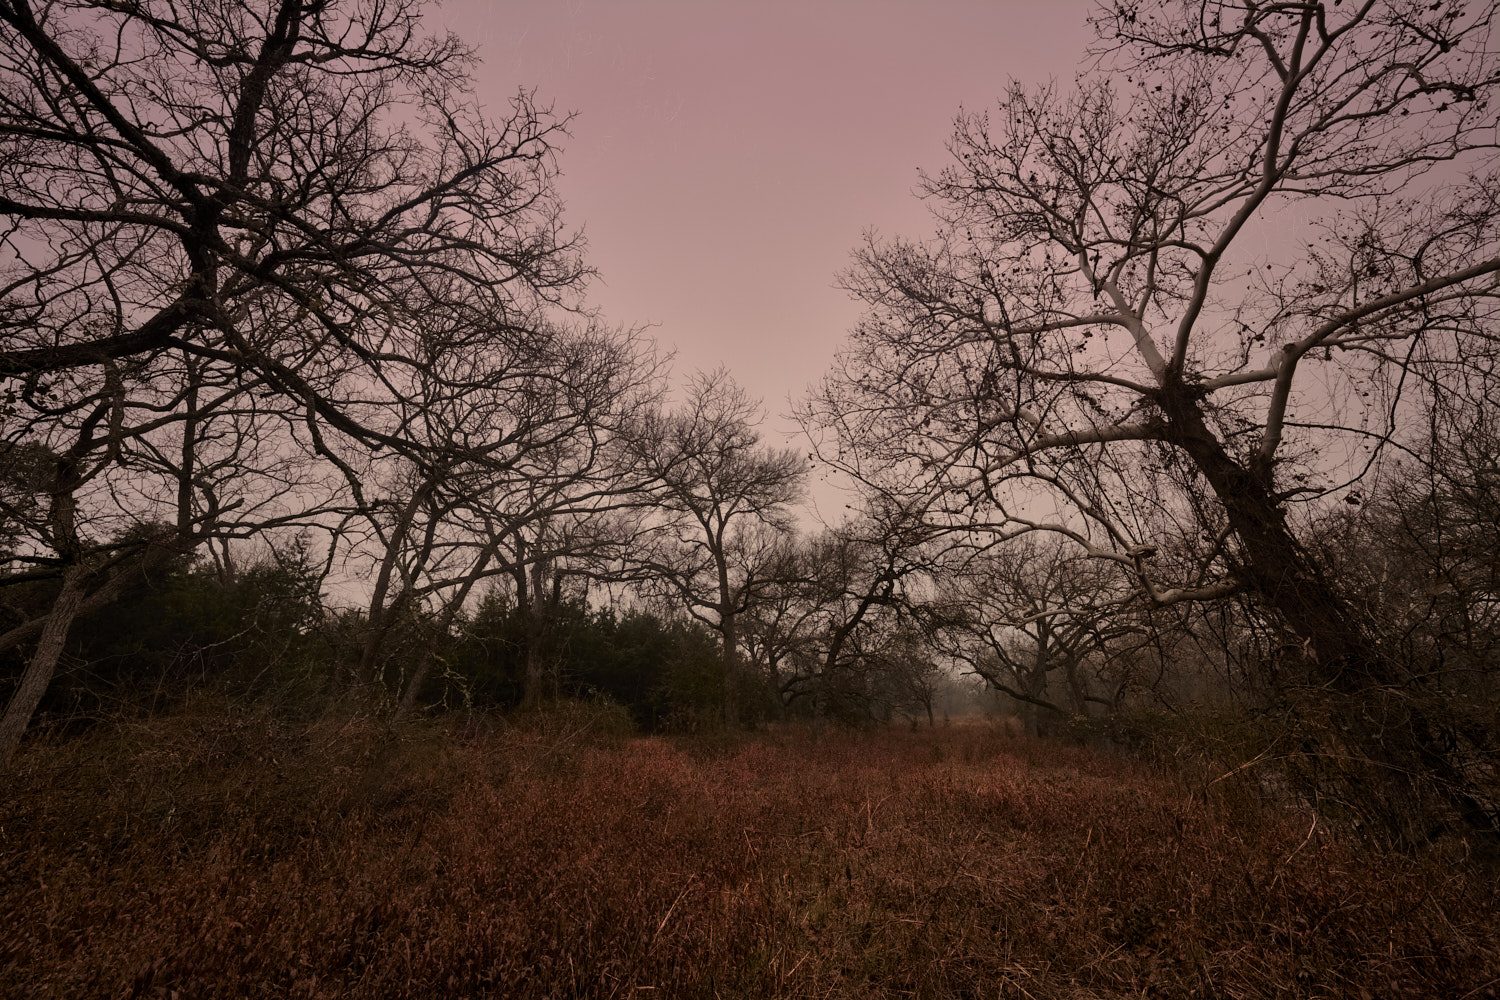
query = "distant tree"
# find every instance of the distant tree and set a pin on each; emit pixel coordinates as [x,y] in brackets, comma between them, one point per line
[725,501]
[544,484]
[779,628]
[864,612]
[1029,616]
[902,675]
[663,669]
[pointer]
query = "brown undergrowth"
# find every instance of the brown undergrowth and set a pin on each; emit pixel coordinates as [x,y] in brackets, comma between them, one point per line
[216,854]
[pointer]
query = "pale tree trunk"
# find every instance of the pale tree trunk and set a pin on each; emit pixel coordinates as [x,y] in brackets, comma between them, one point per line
[43,663]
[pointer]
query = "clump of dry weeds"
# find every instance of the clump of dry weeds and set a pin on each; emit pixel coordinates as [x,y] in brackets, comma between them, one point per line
[216,854]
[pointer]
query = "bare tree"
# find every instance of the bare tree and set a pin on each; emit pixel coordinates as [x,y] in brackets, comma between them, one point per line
[863,611]
[1031,617]
[725,504]
[1210,269]
[779,628]
[238,238]
[558,404]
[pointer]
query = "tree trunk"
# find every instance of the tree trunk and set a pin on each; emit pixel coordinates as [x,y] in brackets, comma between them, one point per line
[444,634]
[553,663]
[43,663]
[380,617]
[535,692]
[819,701]
[1076,689]
[1035,683]
[540,684]
[413,688]
[728,627]
[1385,726]
[730,639]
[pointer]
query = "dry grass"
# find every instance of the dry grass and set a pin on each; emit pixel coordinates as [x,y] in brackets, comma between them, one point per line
[221,855]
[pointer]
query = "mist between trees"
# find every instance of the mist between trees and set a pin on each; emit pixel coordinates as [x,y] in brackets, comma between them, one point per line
[282,303]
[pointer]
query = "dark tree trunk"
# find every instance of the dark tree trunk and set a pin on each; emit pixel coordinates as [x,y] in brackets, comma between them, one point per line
[730,637]
[380,616]
[1381,721]
[444,634]
[731,640]
[1077,692]
[536,689]
[413,689]
[1034,685]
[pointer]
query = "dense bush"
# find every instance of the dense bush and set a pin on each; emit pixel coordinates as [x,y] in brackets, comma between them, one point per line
[666,672]
[256,630]
[263,633]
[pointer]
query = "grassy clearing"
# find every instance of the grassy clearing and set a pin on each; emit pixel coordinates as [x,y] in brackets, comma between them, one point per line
[214,854]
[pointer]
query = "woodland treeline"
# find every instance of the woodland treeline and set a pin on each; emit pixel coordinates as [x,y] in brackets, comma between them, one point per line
[1184,406]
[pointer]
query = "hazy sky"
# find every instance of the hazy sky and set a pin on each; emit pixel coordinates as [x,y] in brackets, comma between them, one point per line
[728,155]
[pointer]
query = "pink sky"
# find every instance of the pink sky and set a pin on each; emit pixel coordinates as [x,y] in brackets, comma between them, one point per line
[728,155]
